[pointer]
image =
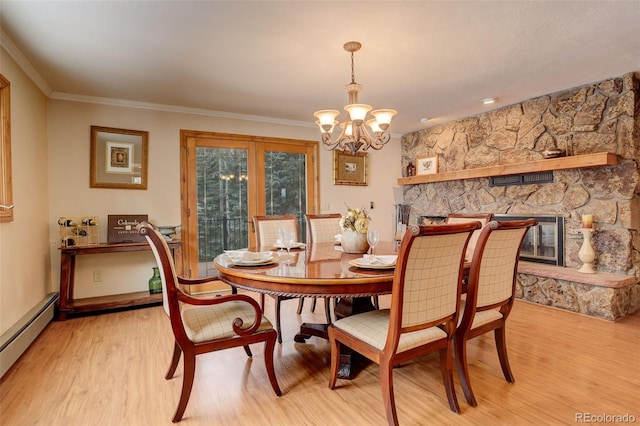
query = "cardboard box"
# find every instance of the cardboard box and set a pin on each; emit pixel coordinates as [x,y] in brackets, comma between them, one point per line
[122,228]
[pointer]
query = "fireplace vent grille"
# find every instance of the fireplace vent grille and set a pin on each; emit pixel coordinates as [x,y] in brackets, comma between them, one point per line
[540,177]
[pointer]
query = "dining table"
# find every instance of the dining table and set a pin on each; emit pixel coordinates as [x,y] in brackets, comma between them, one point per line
[321,270]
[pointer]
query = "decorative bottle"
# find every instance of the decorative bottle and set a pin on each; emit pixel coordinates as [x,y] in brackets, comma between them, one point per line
[155,282]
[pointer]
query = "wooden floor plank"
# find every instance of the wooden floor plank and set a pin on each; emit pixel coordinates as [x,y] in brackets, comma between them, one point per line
[108,370]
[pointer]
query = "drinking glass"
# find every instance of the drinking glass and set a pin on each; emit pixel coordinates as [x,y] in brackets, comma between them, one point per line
[373,236]
[281,232]
[289,241]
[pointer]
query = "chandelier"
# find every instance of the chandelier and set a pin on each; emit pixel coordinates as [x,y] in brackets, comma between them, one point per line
[353,135]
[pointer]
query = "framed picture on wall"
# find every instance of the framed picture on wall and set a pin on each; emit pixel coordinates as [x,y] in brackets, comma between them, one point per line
[118,158]
[349,169]
[427,165]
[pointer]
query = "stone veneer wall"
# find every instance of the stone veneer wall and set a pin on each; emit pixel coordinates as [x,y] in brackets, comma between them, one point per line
[603,116]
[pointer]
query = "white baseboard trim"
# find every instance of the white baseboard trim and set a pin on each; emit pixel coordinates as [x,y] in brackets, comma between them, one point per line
[17,339]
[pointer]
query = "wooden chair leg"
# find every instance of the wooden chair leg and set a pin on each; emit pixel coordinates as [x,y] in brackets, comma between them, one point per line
[374,299]
[269,346]
[460,347]
[262,302]
[175,358]
[447,377]
[278,300]
[335,359]
[501,346]
[313,304]
[386,382]
[300,305]
[187,384]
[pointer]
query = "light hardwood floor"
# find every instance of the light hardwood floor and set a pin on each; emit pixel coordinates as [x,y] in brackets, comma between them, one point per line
[108,370]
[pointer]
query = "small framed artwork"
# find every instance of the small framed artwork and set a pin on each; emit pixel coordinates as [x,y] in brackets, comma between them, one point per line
[427,165]
[349,169]
[118,158]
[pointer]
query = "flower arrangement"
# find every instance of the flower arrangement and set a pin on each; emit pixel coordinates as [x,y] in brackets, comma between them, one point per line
[356,220]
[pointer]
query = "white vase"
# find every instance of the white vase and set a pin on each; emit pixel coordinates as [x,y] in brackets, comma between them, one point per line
[354,242]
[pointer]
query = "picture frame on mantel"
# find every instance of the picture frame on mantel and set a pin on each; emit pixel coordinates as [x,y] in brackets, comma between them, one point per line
[427,165]
[349,169]
[119,158]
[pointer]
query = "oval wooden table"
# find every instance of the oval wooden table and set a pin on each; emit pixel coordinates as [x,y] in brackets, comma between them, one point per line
[322,270]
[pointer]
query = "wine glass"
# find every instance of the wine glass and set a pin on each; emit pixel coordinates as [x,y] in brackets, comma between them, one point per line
[281,232]
[288,241]
[373,236]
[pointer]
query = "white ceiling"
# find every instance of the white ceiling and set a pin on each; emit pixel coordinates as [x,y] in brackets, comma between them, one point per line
[283,60]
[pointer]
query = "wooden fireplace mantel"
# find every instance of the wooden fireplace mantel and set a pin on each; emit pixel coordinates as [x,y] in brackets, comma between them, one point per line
[597,159]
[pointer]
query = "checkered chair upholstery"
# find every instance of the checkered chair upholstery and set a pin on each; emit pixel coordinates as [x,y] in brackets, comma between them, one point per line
[323,227]
[490,294]
[424,310]
[205,325]
[483,218]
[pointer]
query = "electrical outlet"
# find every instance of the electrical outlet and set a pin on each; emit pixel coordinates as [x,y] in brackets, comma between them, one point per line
[97,276]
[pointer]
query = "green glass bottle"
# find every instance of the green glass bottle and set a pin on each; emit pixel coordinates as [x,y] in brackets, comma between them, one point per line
[155,282]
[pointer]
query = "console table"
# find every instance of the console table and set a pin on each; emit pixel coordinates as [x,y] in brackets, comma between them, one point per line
[67,305]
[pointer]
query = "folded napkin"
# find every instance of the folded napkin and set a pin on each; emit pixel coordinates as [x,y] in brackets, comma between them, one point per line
[371,259]
[248,256]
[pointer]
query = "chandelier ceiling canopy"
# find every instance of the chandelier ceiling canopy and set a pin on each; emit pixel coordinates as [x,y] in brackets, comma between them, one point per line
[353,135]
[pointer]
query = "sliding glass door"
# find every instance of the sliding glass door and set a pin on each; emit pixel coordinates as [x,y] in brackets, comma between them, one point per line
[227,179]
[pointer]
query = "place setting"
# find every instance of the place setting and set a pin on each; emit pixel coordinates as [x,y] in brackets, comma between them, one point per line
[250,258]
[373,261]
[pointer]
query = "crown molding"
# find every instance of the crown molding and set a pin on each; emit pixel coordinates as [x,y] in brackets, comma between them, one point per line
[24,64]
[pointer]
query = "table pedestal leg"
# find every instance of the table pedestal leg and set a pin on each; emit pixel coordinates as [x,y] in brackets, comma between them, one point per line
[346,306]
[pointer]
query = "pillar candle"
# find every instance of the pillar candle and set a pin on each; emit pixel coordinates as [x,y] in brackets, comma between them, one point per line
[587,220]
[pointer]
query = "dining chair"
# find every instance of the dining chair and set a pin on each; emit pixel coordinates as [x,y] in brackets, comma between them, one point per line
[266,229]
[490,294]
[205,325]
[322,228]
[425,301]
[483,218]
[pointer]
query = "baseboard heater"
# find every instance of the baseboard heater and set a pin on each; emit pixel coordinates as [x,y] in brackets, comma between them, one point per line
[17,339]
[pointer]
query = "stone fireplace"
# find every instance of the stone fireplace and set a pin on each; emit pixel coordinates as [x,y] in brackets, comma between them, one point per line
[603,117]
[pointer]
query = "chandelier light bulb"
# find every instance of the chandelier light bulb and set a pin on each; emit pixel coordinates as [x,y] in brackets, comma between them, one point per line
[383,117]
[375,127]
[357,112]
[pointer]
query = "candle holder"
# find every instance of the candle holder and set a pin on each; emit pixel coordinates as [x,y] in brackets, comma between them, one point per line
[586,254]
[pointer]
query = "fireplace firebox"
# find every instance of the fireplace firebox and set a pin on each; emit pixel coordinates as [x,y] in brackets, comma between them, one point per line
[544,243]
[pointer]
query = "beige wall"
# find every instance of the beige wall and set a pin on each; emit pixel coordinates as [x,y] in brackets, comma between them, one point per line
[25,267]
[50,161]
[69,135]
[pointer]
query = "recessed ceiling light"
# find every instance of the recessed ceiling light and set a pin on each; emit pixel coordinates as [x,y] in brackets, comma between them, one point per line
[488,101]
[424,119]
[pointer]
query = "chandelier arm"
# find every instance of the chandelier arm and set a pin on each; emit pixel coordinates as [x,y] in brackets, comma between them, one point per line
[380,140]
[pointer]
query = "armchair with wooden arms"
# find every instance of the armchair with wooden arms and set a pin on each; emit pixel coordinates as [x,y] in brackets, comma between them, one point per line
[490,294]
[205,325]
[425,301]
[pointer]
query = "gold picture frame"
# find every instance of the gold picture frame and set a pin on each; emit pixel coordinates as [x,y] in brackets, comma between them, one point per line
[118,158]
[427,165]
[349,169]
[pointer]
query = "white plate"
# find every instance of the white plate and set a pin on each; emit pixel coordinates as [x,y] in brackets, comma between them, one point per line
[248,258]
[383,262]
[259,262]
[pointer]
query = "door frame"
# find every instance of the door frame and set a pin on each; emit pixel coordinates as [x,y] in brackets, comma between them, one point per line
[189,141]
